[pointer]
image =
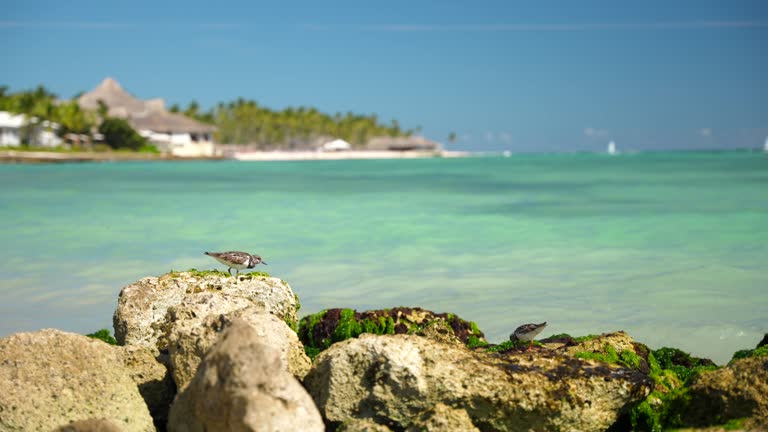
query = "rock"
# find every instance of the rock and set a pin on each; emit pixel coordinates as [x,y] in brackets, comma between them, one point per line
[362,425]
[763,342]
[318,331]
[392,379]
[142,306]
[737,391]
[241,385]
[50,378]
[442,418]
[149,371]
[89,425]
[614,348]
[190,338]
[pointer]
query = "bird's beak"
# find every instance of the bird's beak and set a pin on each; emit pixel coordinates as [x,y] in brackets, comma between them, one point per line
[264,263]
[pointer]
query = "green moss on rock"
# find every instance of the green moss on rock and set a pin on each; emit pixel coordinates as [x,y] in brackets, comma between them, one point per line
[203,273]
[103,335]
[757,352]
[681,363]
[624,358]
[321,330]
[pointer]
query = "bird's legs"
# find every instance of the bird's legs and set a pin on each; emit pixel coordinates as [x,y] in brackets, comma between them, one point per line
[229,270]
[530,346]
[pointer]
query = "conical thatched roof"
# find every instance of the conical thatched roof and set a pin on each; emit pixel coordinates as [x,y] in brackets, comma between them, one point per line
[119,101]
[164,121]
[143,115]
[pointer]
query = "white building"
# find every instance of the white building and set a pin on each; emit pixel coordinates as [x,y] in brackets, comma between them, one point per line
[171,132]
[336,145]
[12,130]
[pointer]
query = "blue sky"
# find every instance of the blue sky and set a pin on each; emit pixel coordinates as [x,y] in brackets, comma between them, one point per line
[504,75]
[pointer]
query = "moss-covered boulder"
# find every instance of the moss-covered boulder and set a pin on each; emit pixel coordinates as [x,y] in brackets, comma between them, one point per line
[614,348]
[395,379]
[737,391]
[684,365]
[319,331]
[760,350]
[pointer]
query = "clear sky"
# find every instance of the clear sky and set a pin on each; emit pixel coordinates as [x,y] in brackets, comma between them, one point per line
[516,75]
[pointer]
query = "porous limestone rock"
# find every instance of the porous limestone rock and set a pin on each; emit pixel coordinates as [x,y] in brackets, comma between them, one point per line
[241,385]
[362,425]
[442,418]
[392,379]
[89,425]
[149,370]
[50,378]
[736,391]
[191,333]
[142,306]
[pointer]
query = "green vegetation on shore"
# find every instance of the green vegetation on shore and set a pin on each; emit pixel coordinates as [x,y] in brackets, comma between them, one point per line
[246,122]
[238,122]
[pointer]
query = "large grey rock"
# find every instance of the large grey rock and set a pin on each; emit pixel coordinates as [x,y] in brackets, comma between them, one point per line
[243,385]
[394,379]
[50,378]
[191,333]
[140,317]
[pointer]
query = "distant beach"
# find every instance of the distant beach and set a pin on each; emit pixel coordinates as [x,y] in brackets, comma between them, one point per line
[14,156]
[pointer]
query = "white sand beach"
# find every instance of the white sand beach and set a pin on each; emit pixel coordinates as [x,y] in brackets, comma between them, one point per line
[342,155]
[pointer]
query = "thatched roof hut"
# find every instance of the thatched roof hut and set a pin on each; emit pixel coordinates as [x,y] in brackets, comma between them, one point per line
[149,115]
[403,143]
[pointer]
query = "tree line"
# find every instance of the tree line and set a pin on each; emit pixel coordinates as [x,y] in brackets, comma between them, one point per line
[246,122]
[238,122]
[41,104]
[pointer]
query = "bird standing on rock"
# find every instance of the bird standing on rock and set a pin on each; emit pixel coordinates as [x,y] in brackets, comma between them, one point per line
[236,260]
[527,332]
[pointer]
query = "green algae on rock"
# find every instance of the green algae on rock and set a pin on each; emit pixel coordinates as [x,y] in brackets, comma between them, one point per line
[103,335]
[319,331]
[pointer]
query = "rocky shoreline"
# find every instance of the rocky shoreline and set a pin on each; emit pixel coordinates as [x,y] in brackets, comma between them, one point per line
[205,351]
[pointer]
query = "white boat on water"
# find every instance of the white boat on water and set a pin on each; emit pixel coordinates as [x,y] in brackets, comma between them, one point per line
[612,148]
[765,146]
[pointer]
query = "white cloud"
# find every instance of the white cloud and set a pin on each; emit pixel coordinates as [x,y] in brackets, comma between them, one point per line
[523,27]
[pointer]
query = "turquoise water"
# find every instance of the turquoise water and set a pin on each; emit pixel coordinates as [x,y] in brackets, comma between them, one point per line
[671,247]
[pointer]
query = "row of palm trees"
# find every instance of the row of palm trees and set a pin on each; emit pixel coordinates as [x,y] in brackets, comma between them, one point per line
[238,122]
[246,122]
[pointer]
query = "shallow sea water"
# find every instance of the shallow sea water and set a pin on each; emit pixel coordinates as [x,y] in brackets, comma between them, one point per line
[670,247]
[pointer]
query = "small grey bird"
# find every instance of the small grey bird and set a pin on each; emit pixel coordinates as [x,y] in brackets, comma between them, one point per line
[236,260]
[527,332]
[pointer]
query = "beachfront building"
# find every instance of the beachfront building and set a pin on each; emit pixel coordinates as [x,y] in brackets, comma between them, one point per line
[15,128]
[172,133]
[336,145]
[403,143]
